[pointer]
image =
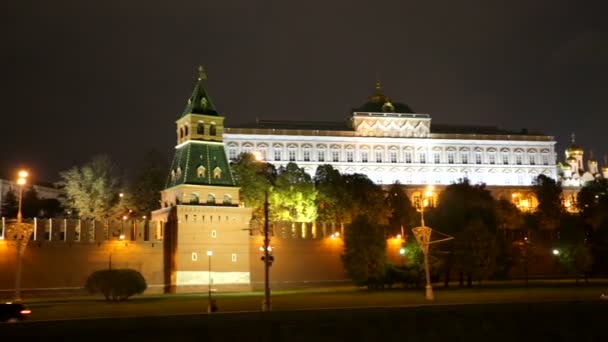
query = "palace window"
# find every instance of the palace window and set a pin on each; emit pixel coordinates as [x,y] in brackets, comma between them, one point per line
[532,159]
[518,159]
[277,154]
[292,154]
[437,157]
[378,156]
[364,157]
[393,155]
[505,159]
[492,158]
[450,157]
[477,157]
[232,153]
[465,158]
[321,155]
[307,155]
[350,156]
[335,156]
[408,157]
[545,159]
[422,158]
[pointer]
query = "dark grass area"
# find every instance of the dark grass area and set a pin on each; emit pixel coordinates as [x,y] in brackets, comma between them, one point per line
[553,321]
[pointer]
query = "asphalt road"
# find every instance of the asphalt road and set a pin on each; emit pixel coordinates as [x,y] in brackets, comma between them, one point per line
[552,321]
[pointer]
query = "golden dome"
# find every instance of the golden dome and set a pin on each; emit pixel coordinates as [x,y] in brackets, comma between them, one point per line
[574,149]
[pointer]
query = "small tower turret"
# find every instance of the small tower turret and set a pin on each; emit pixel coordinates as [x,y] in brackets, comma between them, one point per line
[592,164]
[576,152]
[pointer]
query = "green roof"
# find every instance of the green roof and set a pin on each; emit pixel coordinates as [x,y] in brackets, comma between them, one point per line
[200,102]
[380,103]
[200,163]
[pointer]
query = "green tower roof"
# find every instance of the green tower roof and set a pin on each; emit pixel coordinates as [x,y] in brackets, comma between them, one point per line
[200,163]
[200,102]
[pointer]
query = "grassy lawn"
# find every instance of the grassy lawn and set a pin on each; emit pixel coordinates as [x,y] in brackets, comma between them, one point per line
[301,299]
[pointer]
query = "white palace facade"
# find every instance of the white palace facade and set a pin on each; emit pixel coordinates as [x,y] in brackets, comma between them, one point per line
[388,142]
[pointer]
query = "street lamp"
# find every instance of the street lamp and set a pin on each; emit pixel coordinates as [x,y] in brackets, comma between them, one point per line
[21,232]
[266,305]
[423,236]
[211,305]
[21,182]
[402,254]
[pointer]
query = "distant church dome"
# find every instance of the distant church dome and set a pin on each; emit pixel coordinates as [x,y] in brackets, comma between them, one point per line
[574,149]
[380,103]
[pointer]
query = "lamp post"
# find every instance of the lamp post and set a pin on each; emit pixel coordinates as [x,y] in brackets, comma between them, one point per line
[402,254]
[21,233]
[210,305]
[423,235]
[266,305]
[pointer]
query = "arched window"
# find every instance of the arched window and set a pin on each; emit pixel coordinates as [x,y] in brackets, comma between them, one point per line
[227,199]
[194,198]
[200,128]
[181,132]
[212,130]
[186,130]
[211,199]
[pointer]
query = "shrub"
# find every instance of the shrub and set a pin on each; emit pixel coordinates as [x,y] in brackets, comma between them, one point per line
[117,284]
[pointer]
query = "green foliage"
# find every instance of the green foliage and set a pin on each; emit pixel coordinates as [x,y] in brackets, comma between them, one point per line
[364,252]
[549,195]
[330,199]
[293,195]
[402,213]
[254,178]
[92,190]
[116,284]
[468,213]
[364,197]
[144,192]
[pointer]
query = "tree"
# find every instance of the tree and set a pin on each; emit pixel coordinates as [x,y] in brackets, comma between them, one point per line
[9,204]
[593,203]
[293,195]
[549,195]
[364,252]
[330,201]
[468,213]
[144,192]
[255,178]
[92,190]
[364,197]
[402,213]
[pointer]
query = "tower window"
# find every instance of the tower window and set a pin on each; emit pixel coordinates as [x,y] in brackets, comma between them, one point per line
[211,199]
[181,132]
[214,233]
[186,130]
[212,130]
[200,129]
[200,171]
[233,257]
[227,199]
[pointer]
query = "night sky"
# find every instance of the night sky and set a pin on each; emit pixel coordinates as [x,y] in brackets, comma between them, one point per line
[81,78]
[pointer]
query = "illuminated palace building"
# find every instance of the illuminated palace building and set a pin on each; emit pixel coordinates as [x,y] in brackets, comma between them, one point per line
[389,142]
